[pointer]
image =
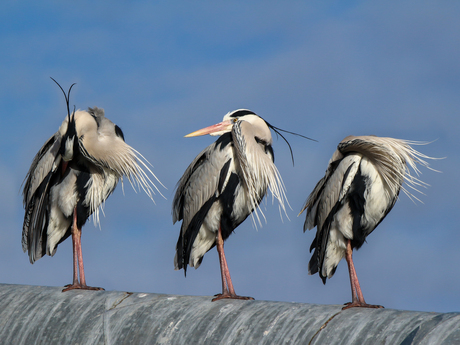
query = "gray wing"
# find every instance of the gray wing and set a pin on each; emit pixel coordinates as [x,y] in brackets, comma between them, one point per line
[200,182]
[36,196]
[46,160]
[326,199]
[330,188]
[197,191]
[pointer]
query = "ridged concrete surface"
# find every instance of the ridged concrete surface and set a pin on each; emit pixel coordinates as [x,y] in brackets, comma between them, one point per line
[45,315]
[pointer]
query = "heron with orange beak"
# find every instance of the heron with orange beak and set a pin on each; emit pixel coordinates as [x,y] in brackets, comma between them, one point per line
[223,185]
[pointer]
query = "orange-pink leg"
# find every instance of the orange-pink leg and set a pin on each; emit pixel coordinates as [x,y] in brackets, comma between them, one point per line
[227,286]
[78,260]
[356,293]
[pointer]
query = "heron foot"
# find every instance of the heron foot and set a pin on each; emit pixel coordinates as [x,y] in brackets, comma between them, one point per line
[69,287]
[230,296]
[361,305]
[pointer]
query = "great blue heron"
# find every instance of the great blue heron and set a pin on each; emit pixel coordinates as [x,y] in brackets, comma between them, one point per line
[361,185]
[222,186]
[70,178]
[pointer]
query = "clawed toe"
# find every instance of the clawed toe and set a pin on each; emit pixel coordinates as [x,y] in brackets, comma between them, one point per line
[361,305]
[231,296]
[69,287]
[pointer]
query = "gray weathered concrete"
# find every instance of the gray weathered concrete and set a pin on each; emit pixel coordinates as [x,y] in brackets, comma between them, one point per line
[44,315]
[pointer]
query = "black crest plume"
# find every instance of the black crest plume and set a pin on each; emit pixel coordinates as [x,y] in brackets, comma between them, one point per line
[67,96]
[278,130]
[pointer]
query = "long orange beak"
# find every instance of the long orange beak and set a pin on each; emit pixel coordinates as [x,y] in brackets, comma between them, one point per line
[217,129]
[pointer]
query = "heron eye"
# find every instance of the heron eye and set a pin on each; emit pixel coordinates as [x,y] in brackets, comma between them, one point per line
[235,120]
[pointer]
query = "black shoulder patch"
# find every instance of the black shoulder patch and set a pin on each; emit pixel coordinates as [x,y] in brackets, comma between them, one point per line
[269,150]
[357,202]
[83,210]
[267,147]
[119,132]
[260,141]
[223,175]
[224,140]
[230,221]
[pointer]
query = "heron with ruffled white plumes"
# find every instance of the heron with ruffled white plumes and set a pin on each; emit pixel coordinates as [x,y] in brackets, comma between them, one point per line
[71,177]
[360,187]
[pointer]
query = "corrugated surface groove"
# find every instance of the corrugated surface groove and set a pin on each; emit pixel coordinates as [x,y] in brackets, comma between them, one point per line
[45,315]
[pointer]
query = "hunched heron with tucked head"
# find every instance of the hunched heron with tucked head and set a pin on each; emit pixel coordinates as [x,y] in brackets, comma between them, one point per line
[222,186]
[361,185]
[71,177]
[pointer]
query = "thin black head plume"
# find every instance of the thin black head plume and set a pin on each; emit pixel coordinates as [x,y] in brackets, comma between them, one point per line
[278,130]
[67,96]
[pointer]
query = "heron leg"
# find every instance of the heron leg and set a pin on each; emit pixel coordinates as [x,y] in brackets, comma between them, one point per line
[75,256]
[356,293]
[78,260]
[227,286]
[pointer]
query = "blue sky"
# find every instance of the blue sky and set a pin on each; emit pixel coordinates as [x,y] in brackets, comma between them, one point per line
[162,70]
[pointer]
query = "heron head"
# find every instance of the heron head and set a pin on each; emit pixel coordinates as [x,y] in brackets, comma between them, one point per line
[229,120]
